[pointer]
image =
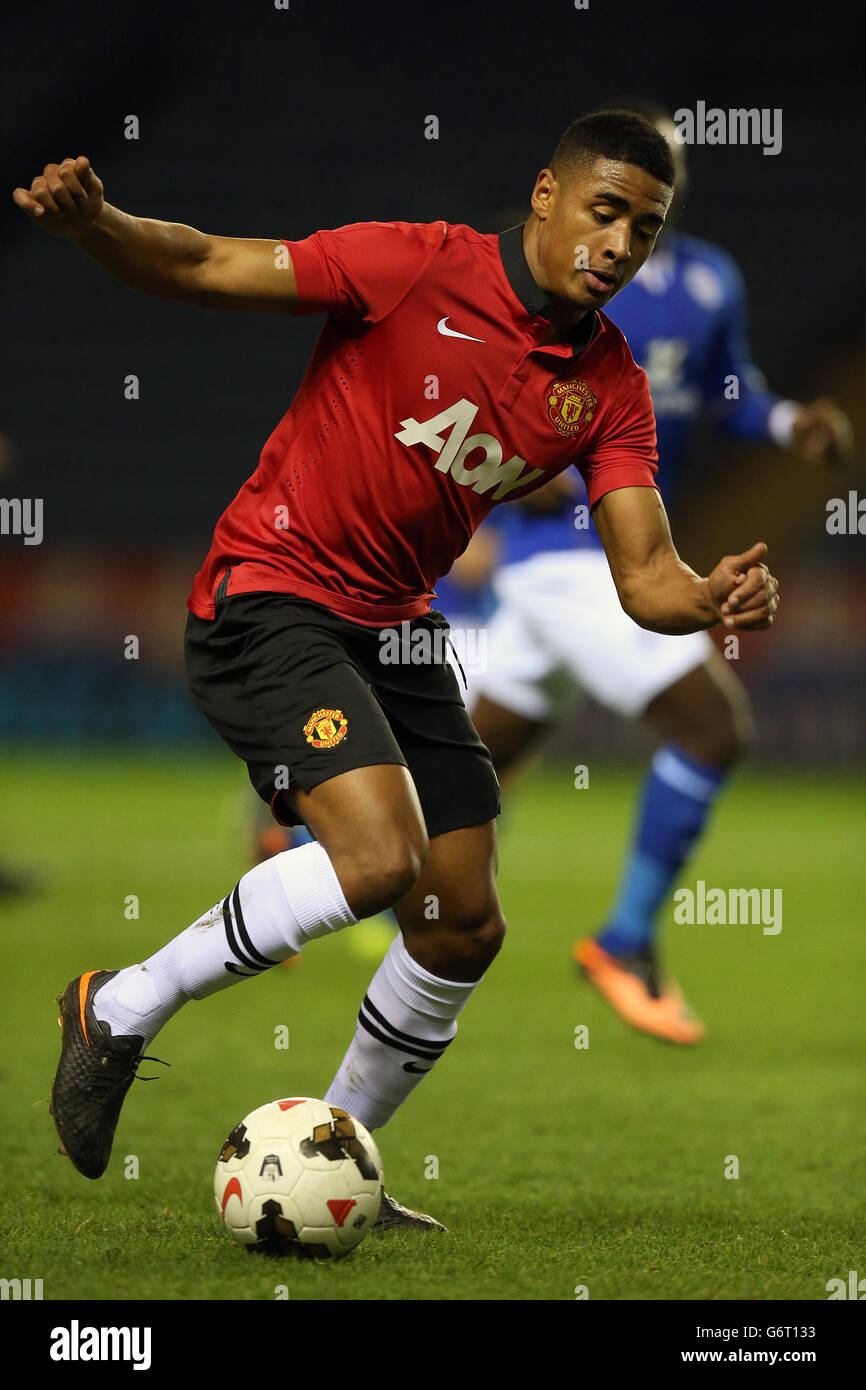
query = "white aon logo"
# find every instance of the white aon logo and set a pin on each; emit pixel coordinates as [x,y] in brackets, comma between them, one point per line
[454,454]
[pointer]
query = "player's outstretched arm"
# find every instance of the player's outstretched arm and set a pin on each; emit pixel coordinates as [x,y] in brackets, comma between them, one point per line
[163,258]
[659,591]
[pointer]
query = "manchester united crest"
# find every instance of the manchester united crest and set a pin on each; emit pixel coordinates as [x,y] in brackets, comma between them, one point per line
[326,728]
[571,406]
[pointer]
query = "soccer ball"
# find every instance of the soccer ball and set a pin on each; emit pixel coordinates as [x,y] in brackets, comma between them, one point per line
[299,1177]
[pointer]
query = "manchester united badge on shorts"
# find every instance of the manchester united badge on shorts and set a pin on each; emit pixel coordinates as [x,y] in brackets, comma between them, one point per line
[325,728]
[571,406]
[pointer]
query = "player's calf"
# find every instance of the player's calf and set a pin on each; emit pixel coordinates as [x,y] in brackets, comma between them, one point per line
[451,929]
[406,1023]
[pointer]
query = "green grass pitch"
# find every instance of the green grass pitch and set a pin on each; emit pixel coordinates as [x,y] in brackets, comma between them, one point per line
[558,1167]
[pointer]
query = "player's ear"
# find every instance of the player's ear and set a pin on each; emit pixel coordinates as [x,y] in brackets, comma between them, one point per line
[544,194]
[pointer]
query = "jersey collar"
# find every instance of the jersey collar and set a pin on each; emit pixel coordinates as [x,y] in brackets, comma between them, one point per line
[534,299]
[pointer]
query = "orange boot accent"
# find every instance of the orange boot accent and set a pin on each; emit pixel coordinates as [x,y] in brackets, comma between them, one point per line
[667,1017]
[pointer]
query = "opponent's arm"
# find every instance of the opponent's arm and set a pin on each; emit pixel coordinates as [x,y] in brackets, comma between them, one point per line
[817,431]
[162,258]
[658,590]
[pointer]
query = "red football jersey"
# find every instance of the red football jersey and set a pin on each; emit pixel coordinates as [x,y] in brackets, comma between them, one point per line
[427,402]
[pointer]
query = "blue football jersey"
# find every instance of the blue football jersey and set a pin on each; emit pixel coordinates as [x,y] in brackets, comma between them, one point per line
[685,318]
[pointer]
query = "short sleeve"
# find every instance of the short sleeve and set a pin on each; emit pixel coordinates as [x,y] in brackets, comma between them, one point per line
[625,453]
[364,269]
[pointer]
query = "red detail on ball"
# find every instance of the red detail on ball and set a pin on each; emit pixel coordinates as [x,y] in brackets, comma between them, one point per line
[340,1208]
[287,1104]
[231,1189]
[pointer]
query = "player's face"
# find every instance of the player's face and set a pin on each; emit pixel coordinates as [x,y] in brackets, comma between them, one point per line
[595,229]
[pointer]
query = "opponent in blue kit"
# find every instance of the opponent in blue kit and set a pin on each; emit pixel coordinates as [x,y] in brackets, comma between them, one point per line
[559,627]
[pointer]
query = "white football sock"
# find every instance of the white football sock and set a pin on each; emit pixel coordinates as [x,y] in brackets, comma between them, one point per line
[407,1020]
[275,909]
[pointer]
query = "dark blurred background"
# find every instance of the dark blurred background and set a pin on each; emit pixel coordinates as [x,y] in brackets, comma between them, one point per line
[258,121]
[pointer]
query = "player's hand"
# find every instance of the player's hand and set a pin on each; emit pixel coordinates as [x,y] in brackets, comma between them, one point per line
[744,591]
[822,433]
[64,199]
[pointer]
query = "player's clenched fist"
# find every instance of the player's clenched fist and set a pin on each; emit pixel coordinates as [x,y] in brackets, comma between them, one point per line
[64,199]
[744,591]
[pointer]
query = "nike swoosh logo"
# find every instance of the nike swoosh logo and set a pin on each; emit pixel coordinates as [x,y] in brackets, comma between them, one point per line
[452,332]
[82,1001]
[410,1066]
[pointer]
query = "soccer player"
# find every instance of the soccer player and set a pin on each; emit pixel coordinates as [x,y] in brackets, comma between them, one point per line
[560,628]
[310,642]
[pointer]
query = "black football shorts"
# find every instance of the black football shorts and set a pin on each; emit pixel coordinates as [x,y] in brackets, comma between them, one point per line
[302,695]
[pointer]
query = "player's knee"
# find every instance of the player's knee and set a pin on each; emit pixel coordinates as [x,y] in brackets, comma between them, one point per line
[488,937]
[721,729]
[475,940]
[398,869]
[458,946]
[384,871]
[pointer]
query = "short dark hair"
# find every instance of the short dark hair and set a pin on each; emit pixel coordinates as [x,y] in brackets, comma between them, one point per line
[620,135]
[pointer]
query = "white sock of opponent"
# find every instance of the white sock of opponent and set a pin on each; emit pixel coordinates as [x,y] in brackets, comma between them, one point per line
[275,909]
[407,1020]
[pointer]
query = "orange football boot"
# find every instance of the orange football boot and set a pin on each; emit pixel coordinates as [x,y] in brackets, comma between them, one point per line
[632,988]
